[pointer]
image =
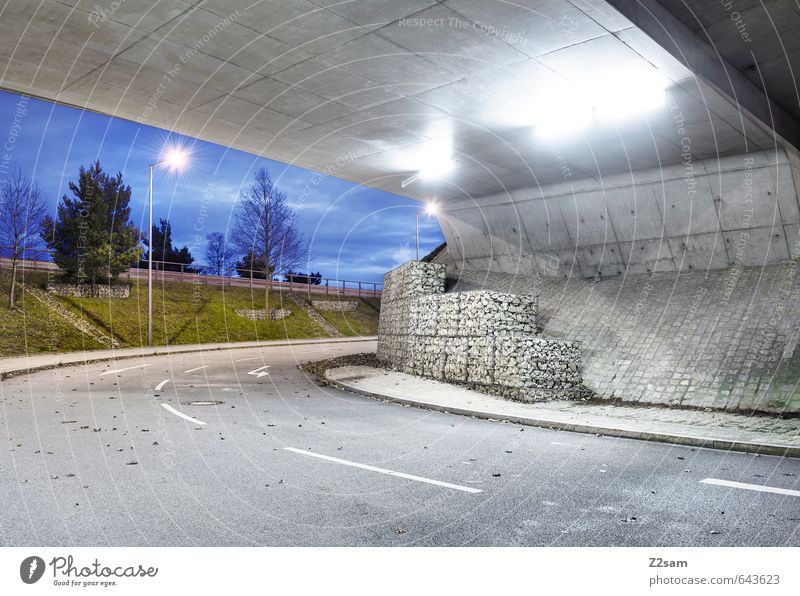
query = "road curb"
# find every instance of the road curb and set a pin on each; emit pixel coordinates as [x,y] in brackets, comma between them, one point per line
[168,350]
[609,431]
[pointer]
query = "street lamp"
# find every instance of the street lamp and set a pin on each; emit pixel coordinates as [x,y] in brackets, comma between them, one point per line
[430,209]
[175,159]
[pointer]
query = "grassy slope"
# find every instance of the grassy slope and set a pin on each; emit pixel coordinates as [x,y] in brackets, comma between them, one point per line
[33,327]
[182,313]
[187,313]
[363,321]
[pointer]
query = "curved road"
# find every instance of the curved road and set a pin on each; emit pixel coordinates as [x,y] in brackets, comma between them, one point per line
[117,454]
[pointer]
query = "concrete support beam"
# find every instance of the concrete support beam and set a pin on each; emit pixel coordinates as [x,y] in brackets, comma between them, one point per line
[702,59]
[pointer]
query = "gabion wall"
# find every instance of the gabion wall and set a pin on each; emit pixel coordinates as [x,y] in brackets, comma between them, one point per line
[275,314]
[85,290]
[335,305]
[483,339]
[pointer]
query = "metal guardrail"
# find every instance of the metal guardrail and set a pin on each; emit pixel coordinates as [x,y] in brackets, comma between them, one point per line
[162,271]
[327,286]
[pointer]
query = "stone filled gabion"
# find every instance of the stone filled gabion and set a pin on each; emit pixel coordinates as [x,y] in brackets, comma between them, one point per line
[275,314]
[335,305]
[482,339]
[86,290]
[413,279]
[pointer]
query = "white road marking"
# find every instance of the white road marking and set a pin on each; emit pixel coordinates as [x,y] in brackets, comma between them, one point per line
[195,369]
[160,386]
[345,462]
[756,487]
[119,370]
[259,372]
[182,415]
[248,359]
[564,444]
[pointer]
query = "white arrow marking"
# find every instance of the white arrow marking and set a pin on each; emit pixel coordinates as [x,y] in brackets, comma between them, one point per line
[160,386]
[119,370]
[259,372]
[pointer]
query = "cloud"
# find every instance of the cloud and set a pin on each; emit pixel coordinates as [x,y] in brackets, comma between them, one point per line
[356,232]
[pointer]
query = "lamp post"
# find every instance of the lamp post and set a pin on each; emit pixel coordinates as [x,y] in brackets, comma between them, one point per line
[430,209]
[174,159]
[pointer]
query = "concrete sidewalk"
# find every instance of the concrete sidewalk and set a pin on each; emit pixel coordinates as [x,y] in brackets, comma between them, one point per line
[718,430]
[26,364]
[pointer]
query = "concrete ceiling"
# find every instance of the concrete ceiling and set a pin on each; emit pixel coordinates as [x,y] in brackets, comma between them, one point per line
[761,38]
[360,88]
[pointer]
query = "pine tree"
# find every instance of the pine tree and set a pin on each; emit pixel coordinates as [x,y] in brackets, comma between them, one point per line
[164,251]
[93,238]
[251,266]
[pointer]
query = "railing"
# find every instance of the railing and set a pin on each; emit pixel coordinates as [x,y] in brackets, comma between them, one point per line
[168,271]
[165,271]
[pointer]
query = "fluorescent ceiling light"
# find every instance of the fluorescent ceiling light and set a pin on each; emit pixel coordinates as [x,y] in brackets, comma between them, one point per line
[432,160]
[571,109]
[562,119]
[624,99]
[437,167]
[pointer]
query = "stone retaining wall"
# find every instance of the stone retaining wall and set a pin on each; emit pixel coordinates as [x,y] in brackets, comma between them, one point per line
[275,314]
[335,305]
[85,290]
[483,339]
[725,339]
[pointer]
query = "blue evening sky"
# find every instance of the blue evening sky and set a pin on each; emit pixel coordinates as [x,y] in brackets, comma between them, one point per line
[356,232]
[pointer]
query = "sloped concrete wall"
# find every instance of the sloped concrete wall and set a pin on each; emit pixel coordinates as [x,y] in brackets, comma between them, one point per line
[482,339]
[722,339]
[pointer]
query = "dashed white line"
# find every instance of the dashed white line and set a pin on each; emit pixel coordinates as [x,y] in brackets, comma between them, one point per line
[756,487]
[182,415]
[160,386]
[195,369]
[119,370]
[353,464]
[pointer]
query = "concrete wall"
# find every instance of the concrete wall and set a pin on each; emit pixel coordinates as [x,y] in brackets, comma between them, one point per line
[482,339]
[723,339]
[739,210]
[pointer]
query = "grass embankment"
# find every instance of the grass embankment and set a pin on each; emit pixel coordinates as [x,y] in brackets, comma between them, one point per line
[33,327]
[362,321]
[182,313]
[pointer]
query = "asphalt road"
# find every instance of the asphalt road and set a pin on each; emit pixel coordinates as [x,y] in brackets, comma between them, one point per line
[92,457]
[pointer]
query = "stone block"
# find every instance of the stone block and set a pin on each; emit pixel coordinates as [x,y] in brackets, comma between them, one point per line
[86,290]
[335,305]
[480,360]
[456,359]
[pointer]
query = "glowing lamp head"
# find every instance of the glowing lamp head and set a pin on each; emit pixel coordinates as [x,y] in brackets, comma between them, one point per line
[431,208]
[175,158]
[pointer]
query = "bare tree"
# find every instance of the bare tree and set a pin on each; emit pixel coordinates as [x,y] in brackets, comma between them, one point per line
[265,225]
[22,208]
[218,255]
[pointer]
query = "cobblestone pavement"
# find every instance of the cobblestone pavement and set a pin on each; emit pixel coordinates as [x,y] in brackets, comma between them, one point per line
[694,427]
